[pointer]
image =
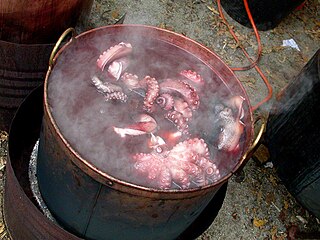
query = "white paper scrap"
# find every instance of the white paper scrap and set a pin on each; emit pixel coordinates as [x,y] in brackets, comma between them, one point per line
[290,43]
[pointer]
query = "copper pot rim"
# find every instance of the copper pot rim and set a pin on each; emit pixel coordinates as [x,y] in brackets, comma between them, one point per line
[119,184]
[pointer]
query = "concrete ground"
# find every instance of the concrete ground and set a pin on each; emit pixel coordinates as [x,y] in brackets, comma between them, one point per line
[259,207]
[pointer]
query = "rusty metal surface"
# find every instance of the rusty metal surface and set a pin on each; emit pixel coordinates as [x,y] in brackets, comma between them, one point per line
[93,210]
[95,205]
[41,22]
[23,219]
[294,125]
[22,68]
[27,37]
[206,217]
[32,224]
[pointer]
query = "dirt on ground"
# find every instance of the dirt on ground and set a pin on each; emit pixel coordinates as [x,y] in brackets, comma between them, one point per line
[259,207]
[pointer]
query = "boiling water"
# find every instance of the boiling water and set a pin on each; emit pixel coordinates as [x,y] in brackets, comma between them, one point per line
[86,119]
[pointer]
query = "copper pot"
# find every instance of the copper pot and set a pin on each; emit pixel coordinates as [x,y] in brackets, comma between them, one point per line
[94,204]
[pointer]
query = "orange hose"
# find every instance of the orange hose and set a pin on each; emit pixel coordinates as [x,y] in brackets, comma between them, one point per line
[253,62]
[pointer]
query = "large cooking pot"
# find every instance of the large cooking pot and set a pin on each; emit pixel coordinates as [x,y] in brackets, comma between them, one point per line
[83,195]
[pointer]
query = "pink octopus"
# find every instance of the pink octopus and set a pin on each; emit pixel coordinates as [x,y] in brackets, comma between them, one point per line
[186,163]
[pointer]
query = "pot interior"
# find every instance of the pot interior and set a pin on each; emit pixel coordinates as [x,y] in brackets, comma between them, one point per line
[88,121]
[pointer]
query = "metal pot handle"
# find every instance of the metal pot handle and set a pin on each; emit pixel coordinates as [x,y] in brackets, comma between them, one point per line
[58,43]
[255,143]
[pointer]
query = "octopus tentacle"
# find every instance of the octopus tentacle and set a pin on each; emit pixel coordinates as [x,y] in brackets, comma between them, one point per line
[117,67]
[143,161]
[109,90]
[117,51]
[130,80]
[116,96]
[195,171]
[165,101]
[199,146]
[179,121]
[187,163]
[152,92]
[186,90]
[192,76]
[183,107]
[194,146]
[153,168]
[146,165]
[105,87]
[208,166]
[180,177]
[198,154]
[165,178]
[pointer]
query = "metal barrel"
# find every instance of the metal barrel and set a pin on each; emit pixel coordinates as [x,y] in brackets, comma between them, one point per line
[27,36]
[40,22]
[22,68]
[293,135]
[23,219]
[267,14]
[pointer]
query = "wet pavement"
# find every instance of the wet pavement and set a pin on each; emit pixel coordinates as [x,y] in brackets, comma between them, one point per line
[259,207]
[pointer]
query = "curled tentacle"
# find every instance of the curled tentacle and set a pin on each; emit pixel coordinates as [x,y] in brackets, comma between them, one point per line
[199,155]
[109,90]
[117,51]
[105,87]
[165,101]
[187,91]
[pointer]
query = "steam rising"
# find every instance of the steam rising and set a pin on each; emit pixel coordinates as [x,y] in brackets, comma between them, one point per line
[87,120]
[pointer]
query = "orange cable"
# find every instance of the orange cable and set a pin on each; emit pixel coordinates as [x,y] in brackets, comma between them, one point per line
[253,63]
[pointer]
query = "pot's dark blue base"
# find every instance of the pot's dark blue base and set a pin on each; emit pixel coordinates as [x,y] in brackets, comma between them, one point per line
[25,132]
